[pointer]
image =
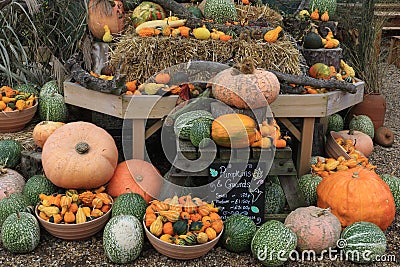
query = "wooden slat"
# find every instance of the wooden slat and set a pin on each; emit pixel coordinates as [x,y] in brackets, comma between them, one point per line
[291,127]
[279,217]
[293,194]
[147,106]
[341,100]
[304,155]
[153,128]
[77,95]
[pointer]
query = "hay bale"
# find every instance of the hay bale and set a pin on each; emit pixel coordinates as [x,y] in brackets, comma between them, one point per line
[145,56]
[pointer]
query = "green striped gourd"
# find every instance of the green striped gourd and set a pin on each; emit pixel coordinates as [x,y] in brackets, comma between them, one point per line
[335,123]
[184,122]
[20,232]
[14,202]
[123,238]
[363,238]
[38,184]
[49,88]
[364,124]
[10,153]
[394,185]
[26,88]
[201,130]
[129,204]
[220,11]
[273,242]
[275,198]
[238,233]
[52,107]
[308,186]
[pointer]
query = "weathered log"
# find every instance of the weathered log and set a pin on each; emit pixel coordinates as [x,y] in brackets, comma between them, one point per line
[317,83]
[115,86]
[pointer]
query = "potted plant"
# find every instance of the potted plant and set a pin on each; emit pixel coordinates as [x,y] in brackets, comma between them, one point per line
[364,55]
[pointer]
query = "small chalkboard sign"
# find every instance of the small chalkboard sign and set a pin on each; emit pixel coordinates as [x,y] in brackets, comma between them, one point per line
[230,189]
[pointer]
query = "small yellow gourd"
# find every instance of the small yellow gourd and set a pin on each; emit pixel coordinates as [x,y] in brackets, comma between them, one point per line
[157,226]
[167,238]
[107,37]
[170,215]
[211,233]
[201,33]
[202,238]
[325,16]
[80,216]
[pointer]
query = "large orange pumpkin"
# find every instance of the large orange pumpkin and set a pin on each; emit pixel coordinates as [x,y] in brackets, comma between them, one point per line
[357,194]
[234,130]
[43,130]
[137,176]
[252,88]
[79,155]
[110,13]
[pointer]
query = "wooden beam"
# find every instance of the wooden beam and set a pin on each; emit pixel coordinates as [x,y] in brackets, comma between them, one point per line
[292,128]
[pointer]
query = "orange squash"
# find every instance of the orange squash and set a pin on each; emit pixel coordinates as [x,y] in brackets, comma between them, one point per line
[137,176]
[110,13]
[249,88]
[43,130]
[79,155]
[234,130]
[357,194]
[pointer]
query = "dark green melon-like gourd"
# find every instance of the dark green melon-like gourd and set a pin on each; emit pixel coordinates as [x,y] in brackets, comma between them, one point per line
[38,184]
[312,41]
[275,198]
[364,242]
[364,124]
[10,153]
[394,185]
[20,232]
[238,233]
[14,202]
[220,11]
[273,242]
[129,204]
[335,123]
[27,88]
[180,227]
[123,238]
[195,11]
[184,123]
[201,130]
[52,107]
[308,186]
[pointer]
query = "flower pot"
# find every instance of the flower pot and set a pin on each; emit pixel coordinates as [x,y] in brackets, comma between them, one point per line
[374,106]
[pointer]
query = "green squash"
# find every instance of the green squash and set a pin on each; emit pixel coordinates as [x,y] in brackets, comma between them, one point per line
[362,238]
[123,238]
[394,185]
[308,186]
[272,243]
[238,233]
[129,204]
[364,124]
[27,88]
[312,41]
[196,226]
[184,122]
[52,107]
[20,232]
[10,153]
[335,123]
[49,88]
[14,202]
[323,5]
[200,131]
[196,11]
[275,198]
[36,185]
[220,11]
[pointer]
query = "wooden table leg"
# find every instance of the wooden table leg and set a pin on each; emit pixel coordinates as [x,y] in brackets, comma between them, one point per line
[138,138]
[304,155]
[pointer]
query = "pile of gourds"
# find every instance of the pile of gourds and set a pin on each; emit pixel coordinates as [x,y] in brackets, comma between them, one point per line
[329,166]
[73,207]
[11,99]
[183,220]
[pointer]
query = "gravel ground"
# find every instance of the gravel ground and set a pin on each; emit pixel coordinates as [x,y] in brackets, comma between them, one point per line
[56,252]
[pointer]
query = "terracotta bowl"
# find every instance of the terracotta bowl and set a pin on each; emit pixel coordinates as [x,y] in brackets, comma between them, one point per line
[180,252]
[14,121]
[74,231]
[332,148]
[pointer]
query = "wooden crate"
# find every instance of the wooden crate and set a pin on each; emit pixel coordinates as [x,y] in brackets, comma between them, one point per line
[282,166]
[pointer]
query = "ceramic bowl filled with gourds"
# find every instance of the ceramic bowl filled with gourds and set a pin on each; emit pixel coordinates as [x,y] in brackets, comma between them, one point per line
[182,227]
[74,215]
